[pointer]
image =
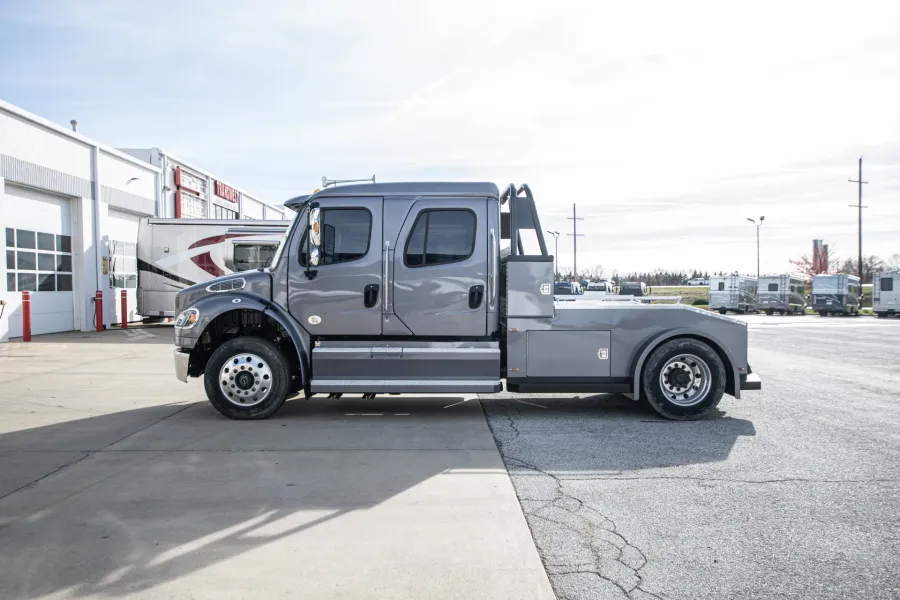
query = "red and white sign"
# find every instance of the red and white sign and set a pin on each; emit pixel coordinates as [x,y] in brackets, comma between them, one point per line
[227,192]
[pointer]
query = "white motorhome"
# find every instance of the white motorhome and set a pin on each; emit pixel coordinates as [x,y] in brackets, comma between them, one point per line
[782,294]
[735,293]
[886,293]
[173,254]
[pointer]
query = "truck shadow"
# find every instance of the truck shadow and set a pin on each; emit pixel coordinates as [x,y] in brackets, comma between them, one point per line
[135,333]
[114,504]
[605,434]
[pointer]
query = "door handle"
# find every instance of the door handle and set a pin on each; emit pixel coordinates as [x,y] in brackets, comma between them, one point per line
[370,295]
[476,296]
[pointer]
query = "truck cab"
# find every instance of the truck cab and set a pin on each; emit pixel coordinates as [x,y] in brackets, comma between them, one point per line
[427,287]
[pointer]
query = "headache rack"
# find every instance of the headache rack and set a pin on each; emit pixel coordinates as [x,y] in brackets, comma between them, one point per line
[522,215]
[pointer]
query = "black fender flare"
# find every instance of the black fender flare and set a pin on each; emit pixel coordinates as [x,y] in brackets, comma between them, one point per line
[655,342]
[214,305]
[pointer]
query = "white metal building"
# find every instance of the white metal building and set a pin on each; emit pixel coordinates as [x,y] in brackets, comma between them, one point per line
[188,191]
[63,196]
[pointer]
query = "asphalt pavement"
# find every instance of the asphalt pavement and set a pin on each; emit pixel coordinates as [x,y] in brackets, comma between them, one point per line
[791,492]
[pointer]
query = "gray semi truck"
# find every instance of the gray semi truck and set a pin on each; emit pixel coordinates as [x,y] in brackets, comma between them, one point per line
[408,288]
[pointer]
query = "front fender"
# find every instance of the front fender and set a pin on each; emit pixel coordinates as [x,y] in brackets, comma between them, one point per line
[215,305]
[737,366]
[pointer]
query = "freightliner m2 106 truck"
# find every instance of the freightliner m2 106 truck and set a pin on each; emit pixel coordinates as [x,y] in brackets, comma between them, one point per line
[408,288]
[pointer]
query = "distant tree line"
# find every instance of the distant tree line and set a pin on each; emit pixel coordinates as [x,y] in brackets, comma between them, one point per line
[802,266]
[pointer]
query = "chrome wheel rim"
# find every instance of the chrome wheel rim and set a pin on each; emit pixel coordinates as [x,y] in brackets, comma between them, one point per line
[685,380]
[245,380]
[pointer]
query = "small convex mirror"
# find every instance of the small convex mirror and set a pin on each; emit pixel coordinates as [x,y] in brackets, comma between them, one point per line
[314,256]
[315,227]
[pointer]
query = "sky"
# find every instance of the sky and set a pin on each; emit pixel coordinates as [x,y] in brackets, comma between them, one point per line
[668,124]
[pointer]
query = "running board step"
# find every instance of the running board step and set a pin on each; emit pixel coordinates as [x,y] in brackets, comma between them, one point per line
[405,386]
[403,367]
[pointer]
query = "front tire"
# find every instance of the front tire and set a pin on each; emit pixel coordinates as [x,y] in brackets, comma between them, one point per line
[683,379]
[247,378]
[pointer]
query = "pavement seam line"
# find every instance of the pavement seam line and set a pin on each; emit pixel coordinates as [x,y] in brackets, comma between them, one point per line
[558,502]
[88,453]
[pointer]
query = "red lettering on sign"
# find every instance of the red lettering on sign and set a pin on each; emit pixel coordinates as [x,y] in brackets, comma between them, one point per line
[226,191]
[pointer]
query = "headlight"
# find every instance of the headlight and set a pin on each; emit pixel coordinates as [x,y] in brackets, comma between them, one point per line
[187,319]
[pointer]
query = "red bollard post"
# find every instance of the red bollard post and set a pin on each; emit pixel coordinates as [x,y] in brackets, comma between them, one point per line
[124,309]
[26,316]
[98,305]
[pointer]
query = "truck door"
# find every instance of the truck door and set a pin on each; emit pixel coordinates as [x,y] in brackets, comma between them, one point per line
[344,297]
[440,268]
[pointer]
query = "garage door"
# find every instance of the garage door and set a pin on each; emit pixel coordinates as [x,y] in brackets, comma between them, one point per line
[39,258]
[121,231]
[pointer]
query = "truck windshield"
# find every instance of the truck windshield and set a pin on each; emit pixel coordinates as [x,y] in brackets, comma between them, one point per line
[278,252]
[253,256]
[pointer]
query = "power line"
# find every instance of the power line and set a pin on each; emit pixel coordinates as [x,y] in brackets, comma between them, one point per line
[859,205]
[575,235]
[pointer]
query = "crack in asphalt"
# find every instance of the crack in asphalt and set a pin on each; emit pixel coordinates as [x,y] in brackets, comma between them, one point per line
[614,558]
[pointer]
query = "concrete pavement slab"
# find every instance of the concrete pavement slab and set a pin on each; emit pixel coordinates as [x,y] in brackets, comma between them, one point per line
[158,496]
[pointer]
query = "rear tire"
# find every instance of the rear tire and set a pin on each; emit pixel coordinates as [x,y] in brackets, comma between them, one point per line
[722,311]
[683,379]
[256,375]
[770,312]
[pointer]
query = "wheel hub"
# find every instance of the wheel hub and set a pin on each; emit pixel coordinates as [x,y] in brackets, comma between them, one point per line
[680,377]
[245,380]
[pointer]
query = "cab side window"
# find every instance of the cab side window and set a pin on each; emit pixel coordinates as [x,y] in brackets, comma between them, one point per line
[346,233]
[440,237]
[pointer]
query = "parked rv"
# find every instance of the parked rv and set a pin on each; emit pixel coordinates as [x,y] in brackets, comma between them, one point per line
[173,254]
[735,293]
[634,288]
[886,294]
[782,294]
[565,288]
[603,287]
[838,294]
[426,301]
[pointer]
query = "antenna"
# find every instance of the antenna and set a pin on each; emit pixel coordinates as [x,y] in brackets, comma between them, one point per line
[327,182]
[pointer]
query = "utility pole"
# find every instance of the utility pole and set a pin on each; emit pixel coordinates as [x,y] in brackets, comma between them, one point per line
[575,235]
[555,235]
[758,225]
[859,205]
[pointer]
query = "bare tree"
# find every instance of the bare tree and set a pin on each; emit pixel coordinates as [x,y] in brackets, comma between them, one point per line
[893,262]
[871,265]
[808,267]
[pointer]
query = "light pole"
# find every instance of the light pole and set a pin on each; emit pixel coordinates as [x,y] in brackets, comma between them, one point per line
[758,225]
[555,235]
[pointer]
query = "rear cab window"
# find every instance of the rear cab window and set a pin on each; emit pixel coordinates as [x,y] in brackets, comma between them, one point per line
[440,237]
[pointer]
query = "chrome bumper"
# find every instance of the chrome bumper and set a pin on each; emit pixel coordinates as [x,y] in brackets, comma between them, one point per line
[182,360]
[751,381]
